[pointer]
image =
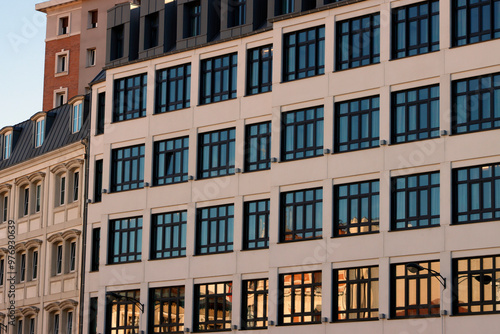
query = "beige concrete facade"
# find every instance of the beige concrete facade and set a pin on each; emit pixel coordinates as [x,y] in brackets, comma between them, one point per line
[442,154]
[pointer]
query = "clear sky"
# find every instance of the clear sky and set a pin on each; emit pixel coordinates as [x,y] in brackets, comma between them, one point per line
[22,52]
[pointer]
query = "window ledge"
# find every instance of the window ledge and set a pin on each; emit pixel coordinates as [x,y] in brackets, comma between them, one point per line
[312,76]
[300,240]
[355,68]
[61,74]
[63,276]
[355,235]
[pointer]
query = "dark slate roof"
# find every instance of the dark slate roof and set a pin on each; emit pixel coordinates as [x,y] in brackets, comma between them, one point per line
[58,133]
[99,78]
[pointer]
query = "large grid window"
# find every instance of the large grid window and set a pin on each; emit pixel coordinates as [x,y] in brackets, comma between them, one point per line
[476,285]
[476,194]
[260,70]
[255,303]
[357,208]
[475,21]
[256,225]
[357,124]
[258,147]
[304,54]
[218,78]
[168,306]
[476,103]
[415,201]
[213,307]
[130,98]
[216,153]
[125,240]
[415,114]
[358,42]
[168,237]
[214,230]
[127,168]
[302,134]
[357,290]
[302,215]
[415,29]
[171,161]
[300,298]
[173,88]
[415,295]
[123,313]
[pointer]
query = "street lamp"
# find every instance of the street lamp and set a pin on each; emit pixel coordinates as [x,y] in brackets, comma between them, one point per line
[121,297]
[415,268]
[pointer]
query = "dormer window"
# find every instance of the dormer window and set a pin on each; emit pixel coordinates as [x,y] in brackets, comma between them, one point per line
[7,145]
[39,132]
[77,117]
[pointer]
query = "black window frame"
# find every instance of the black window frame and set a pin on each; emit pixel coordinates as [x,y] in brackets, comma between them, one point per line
[117,42]
[374,42]
[356,196]
[76,186]
[93,314]
[98,173]
[129,226]
[136,180]
[72,256]
[423,14]
[299,119]
[427,187]
[151,30]
[260,70]
[22,267]
[213,299]
[166,232]
[125,301]
[470,125]
[59,259]
[216,146]
[292,69]
[101,109]
[171,298]
[26,203]
[193,19]
[174,168]
[173,81]
[212,91]
[417,106]
[2,270]
[352,280]
[34,265]
[96,246]
[255,216]
[133,89]
[220,214]
[237,13]
[258,146]
[254,290]
[470,37]
[304,233]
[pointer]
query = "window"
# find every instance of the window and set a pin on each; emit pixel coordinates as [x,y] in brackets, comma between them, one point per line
[101,105]
[214,229]
[218,78]
[193,11]
[93,313]
[151,33]
[96,248]
[76,187]
[415,295]
[62,190]
[357,294]
[38,197]
[358,42]
[34,264]
[256,225]
[60,99]
[304,53]
[7,146]
[56,324]
[5,207]
[302,134]
[476,104]
[59,259]
[237,13]
[22,271]
[301,215]
[255,303]
[69,328]
[168,238]
[125,238]
[260,70]
[357,208]
[93,16]
[39,132]
[415,201]
[77,117]
[258,147]
[475,21]
[19,327]
[171,161]
[415,114]
[357,124]
[128,168]
[117,42]
[173,88]
[476,194]
[475,285]
[72,256]
[63,25]
[216,153]
[285,7]
[213,307]
[130,98]
[123,312]
[168,306]
[62,63]
[26,202]
[32,326]
[98,181]
[2,271]
[300,298]
[415,29]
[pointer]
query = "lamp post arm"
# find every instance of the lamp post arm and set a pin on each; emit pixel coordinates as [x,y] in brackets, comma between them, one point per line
[440,278]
